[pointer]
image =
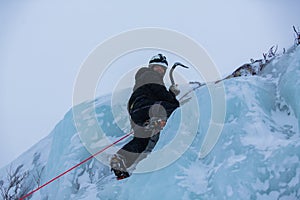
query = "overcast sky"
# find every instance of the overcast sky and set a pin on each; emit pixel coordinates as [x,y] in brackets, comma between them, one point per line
[43,44]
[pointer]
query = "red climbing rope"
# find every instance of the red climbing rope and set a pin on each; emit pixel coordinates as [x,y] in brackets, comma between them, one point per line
[67,171]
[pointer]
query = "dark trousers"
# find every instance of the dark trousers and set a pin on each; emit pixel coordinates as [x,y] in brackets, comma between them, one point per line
[137,149]
[144,140]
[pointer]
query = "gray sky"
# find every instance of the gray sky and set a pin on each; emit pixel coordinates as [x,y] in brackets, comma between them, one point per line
[43,44]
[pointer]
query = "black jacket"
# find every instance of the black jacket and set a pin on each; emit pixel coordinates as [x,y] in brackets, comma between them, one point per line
[149,88]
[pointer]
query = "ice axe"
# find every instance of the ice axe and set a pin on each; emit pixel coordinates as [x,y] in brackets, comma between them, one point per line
[172,70]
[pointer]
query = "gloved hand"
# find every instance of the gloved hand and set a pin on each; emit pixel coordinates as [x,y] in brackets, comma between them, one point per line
[174,89]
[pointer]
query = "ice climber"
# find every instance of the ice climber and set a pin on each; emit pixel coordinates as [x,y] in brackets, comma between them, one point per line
[149,107]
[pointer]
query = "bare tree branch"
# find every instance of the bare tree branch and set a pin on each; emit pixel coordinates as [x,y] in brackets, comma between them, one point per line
[38,175]
[297,36]
[14,186]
